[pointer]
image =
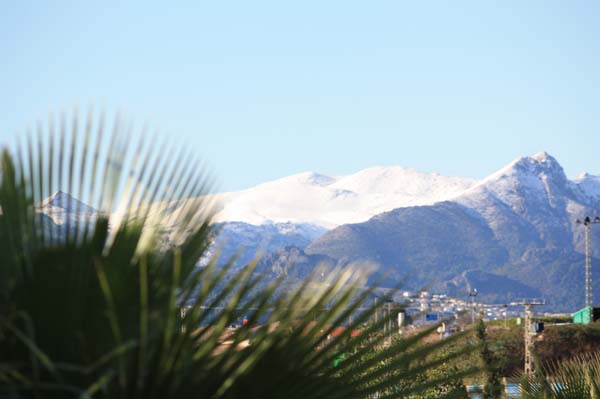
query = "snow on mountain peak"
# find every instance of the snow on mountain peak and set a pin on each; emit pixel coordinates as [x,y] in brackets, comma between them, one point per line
[65,201]
[316,179]
[543,156]
[589,185]
[536,181]
[535,167]
[330,201]
[585,175]
[60,206]
[402,181]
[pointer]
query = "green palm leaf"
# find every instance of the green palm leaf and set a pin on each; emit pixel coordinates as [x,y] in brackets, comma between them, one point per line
[575,378]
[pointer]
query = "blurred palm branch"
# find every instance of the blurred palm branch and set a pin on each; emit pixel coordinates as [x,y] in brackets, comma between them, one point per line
[576,378]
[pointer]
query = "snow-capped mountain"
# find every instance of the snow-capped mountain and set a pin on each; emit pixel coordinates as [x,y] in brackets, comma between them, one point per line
[589,185]
[62,207]
[293,210]
[518,223]
[297,209]
[536,190]
[329,201]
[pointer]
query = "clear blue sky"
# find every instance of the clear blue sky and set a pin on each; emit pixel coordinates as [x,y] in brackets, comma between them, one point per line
[266,89]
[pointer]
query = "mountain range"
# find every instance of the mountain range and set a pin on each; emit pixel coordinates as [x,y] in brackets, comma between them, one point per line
[330,201]
[517,224]
[510,235]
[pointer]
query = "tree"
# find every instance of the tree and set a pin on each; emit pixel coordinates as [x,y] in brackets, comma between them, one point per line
[493,385]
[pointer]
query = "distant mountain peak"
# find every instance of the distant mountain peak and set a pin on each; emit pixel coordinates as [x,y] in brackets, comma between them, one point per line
[585,176]
[540,165]
[540,160]
[316,179]
[543,156]
[66,202]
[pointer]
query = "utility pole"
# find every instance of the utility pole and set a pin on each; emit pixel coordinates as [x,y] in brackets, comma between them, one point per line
[376,310]
[472,295]
[386,312]
[529,334]
[389,322]
[587,223]
[387,326]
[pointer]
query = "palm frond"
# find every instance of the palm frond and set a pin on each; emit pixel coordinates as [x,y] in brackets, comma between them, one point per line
[575,378]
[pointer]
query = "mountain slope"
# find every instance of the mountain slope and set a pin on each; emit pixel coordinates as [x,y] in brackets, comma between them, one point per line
[425,243]
[492,288]
[246,241]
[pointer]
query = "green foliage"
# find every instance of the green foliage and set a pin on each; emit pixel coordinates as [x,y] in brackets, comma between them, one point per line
[556,319]
[508,347]
[578,378]
[115,306]
[432,374]
[565,342]
[493,383]
[556,344]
